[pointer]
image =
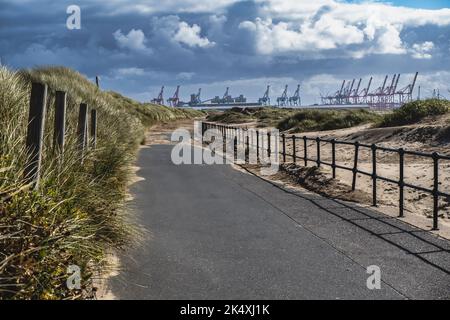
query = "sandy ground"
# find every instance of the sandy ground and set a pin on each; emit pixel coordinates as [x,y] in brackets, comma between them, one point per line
[112,264]
[418,170]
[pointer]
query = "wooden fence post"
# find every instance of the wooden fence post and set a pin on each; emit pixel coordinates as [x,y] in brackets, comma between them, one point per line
[35,133]
[60,121]
[82,128]
[94,128]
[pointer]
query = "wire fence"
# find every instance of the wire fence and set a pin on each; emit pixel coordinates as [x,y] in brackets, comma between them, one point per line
[307,151]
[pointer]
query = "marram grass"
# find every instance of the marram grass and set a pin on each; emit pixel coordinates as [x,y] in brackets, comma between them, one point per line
[79,212]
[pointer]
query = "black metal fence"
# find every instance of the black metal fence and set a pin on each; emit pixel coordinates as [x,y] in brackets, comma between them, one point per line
[298,143]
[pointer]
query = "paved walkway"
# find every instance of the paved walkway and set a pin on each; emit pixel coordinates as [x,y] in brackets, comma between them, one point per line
[217,233]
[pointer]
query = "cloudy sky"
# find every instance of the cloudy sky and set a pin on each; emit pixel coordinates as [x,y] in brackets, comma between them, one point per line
[137,46]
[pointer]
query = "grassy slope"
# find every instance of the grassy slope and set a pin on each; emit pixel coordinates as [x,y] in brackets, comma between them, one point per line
[77,214]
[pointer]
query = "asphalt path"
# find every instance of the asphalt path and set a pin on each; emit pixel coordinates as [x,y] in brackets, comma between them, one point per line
[218,233]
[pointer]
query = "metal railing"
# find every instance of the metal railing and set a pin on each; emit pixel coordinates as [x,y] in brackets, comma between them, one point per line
[306,158]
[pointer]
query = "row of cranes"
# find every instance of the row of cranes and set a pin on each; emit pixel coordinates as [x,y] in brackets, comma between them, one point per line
[294,100]
[174,101]
[228,100]
[284,100]
[385,96]
[350,93]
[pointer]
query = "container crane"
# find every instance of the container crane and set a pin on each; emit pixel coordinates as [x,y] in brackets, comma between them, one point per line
[175,100]
[405,94]
[354,95]
[160,98]
[295,99]
[195,98]
[378,93]
[227,97]
[283,100]
[265,100]
[348,92]
[365,92]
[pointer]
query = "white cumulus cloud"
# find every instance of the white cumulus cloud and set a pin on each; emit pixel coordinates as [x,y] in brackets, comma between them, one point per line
[285,36]
[358,29]
[134,40]
[190,35]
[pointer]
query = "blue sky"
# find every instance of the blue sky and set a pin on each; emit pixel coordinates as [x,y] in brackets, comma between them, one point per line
[137,46]
[425,4]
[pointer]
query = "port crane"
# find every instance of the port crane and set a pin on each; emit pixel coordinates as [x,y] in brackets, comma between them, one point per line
[195,98]
[265,100]
[295,100]
[405,94]
[174,101]
[160,98]
[283,100]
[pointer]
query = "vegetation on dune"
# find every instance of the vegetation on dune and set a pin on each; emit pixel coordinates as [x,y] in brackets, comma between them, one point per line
[318,120]
[415,111]
[230,117]
[264,116]
[270,117]
[77,214]
[296,120]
